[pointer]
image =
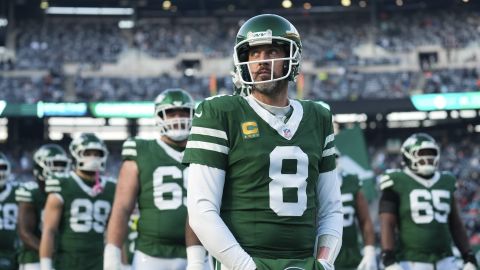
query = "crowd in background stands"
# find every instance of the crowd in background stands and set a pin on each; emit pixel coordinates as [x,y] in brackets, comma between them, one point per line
[49,44]
[462,158]
[328,42]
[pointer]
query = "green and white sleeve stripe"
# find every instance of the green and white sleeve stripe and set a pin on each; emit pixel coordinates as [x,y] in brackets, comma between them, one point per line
[329,147]
[52,185]
[385,182]
[23,195]
[129,150]
[207,146]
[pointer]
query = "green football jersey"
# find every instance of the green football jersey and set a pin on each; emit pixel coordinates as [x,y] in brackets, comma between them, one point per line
[423,213]
[272,169]
[161,198]
[84,220]
[349,256]
[8,227]
[30,192]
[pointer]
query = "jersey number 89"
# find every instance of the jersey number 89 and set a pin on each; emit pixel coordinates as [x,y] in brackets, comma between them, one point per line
[86,215]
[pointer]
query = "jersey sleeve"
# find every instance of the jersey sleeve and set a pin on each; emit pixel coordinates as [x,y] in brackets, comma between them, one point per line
[24,192]
[208,143]
[328,162]
[386,181]
[129,150]
[53,185]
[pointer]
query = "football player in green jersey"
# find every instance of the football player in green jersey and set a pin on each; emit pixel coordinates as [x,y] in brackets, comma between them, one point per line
[263,191]
[8,217]
[77,209]
[31,197]
[355,208]
[153,176]
[419,202]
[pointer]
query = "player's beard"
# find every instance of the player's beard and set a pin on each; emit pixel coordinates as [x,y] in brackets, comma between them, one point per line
[266,88]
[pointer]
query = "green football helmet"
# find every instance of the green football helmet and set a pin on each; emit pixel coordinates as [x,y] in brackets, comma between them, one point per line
[90,163]
[421,154]
[261,30]
[176,128]
[5,169]
[50,159]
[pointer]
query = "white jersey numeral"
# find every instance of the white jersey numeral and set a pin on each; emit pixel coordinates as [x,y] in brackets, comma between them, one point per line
[426,206]
[281,181]
[174,191]
[348,210]
[8,220]
[85,215]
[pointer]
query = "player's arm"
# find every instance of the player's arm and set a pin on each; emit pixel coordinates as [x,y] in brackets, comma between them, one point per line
[329,217]
[27,224]
[369,259]
[195,251]
[205,188]
[126,195]
[388,208]
[459,235]
[51,221]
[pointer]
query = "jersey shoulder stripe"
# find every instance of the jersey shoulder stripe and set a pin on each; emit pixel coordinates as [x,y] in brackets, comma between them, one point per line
[209,134]
[24,192]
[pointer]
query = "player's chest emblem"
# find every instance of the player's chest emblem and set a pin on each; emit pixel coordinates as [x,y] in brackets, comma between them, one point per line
[250,130]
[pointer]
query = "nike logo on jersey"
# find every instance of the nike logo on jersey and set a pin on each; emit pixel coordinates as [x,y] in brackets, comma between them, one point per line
[198,114]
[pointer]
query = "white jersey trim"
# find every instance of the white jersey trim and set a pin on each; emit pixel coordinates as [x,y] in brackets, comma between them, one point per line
[129,152]
[330,151]
[209,132]
[286,130]
[84,186]
[4,194]
[208,146]
[176,155]
[330,138]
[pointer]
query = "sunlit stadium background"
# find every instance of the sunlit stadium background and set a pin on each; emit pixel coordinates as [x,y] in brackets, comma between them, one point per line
[387,68]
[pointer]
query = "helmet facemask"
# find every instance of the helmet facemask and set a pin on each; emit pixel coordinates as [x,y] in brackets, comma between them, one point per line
[242,66]
[91,162]
[177,127]
[84,151]
[4,171]
[423,160]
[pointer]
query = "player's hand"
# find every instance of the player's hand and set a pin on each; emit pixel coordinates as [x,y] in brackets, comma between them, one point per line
[46,264]
[326,265]
[112,258]
[394,266]
[369,261]
[469,266]
[196,257]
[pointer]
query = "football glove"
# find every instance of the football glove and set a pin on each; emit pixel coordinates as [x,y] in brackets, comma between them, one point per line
[369,262]
[112,258]
[46,264]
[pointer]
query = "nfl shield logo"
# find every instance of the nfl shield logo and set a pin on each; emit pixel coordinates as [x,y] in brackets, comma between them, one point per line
[287,133]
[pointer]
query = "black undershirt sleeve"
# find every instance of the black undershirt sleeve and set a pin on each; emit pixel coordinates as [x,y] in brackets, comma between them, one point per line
[389,202]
